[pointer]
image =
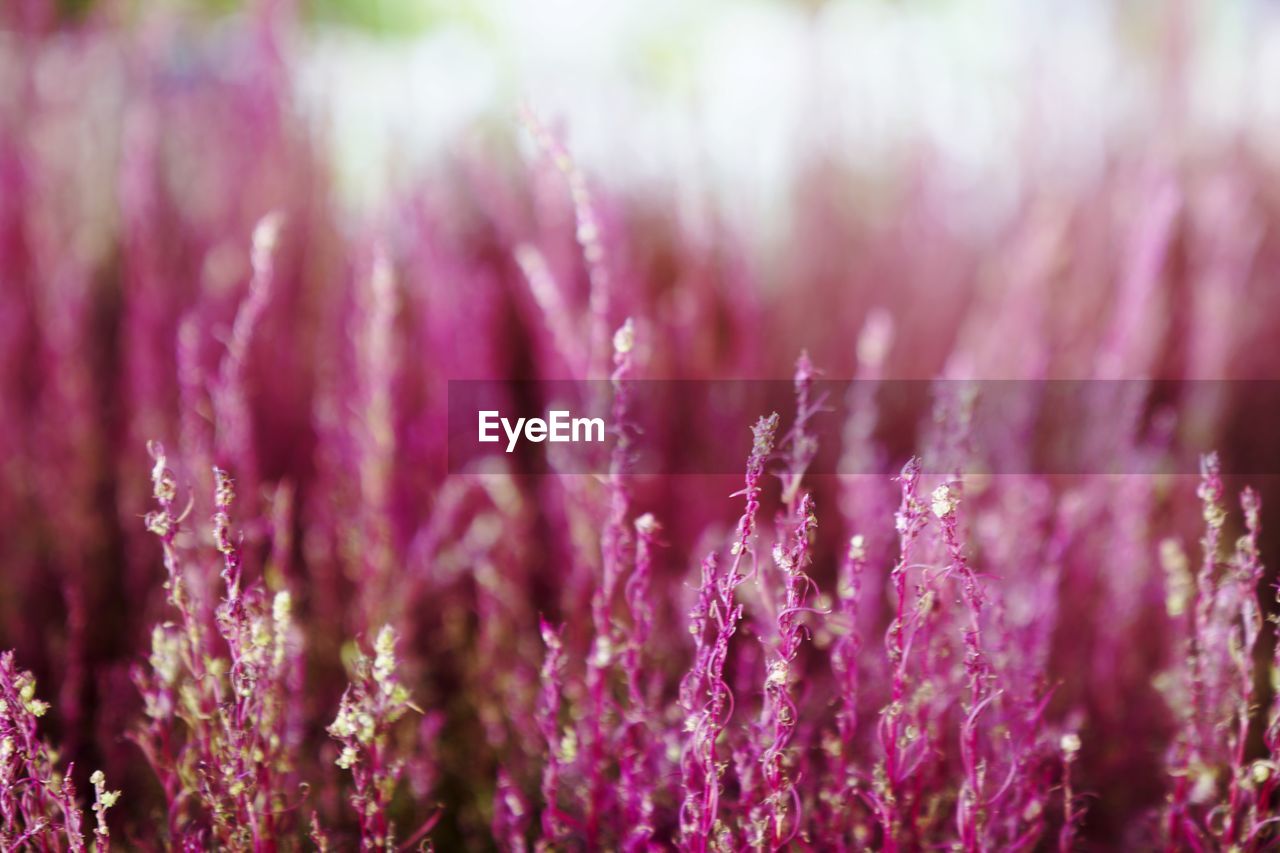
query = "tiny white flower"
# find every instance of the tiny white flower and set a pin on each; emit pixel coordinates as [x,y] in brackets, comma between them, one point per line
[944,501]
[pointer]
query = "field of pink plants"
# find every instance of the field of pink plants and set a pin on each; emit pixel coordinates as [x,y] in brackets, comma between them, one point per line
[251,606]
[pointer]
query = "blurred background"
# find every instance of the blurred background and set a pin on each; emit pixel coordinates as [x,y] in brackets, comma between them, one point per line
[732,98]
[990,189]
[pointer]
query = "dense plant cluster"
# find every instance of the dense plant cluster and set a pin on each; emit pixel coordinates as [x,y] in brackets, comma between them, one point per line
[273,617]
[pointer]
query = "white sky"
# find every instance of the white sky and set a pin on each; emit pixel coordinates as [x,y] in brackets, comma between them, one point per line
[728,94]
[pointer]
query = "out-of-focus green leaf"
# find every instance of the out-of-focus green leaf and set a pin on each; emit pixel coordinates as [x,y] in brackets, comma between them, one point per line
[390,17]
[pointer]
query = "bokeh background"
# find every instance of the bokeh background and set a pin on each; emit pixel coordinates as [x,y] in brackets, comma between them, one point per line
[987,189]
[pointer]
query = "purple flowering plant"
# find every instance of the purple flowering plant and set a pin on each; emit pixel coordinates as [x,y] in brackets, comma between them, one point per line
[261,604]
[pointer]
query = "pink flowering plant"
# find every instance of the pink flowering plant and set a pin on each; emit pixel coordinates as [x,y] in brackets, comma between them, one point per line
[263,599]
